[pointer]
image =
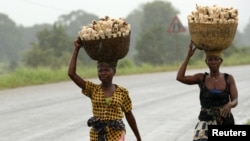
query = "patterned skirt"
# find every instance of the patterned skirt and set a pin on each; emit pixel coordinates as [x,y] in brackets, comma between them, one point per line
[122,137]
[201,130]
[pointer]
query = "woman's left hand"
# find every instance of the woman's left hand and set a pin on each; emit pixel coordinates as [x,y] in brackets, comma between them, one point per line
[226,110]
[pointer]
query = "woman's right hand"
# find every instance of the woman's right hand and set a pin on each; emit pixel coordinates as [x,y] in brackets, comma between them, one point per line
[78,42]
[192,49]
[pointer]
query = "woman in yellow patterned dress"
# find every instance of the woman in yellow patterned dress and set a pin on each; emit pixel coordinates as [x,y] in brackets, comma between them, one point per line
[110,102]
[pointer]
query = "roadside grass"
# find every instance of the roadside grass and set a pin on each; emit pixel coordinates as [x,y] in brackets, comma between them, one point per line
[248,122]
[30,76]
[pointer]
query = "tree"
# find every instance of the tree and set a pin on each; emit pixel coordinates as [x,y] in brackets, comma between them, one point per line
[154,44]
[50,49]
[245,36]
[15,40]
[149,50]
[134,19]
[73,23]
[10,38]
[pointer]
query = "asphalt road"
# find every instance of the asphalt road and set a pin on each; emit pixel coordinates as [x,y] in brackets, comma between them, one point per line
[164,108]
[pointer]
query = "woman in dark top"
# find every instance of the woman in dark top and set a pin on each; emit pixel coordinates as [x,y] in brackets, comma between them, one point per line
[218,92]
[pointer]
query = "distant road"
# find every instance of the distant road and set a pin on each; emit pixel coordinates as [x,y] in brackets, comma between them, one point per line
[163,107]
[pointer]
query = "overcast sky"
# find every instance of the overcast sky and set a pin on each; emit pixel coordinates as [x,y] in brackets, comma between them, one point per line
[30,12]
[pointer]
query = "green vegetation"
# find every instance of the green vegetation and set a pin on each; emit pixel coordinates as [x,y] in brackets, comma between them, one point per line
[36,76]
[248,122]
[30,76]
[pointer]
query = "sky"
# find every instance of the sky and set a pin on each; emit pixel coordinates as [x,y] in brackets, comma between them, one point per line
[30,12]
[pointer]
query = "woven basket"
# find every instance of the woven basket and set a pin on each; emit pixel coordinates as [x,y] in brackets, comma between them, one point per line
[212,36]
[108,49]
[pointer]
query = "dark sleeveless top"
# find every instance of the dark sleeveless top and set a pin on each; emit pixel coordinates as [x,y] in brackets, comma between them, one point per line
[209,99]
[212,102]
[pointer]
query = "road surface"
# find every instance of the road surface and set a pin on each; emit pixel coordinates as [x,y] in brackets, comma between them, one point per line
[164,108]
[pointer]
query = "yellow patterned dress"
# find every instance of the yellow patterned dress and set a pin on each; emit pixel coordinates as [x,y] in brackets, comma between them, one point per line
[111,112]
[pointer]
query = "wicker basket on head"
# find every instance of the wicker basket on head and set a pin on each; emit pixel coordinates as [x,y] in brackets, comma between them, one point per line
[212,36]
[108,49]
